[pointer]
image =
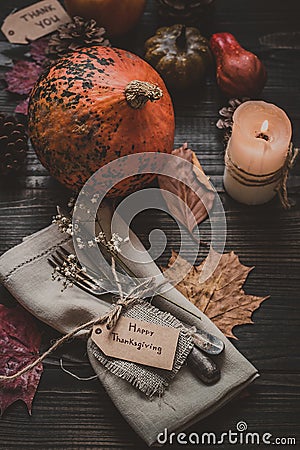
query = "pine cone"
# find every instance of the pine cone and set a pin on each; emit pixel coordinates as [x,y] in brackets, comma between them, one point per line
[76,34]
[226,113]
[13,144]
[183,9]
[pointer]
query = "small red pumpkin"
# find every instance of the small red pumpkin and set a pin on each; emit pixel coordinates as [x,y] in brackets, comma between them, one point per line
[89,109]
[240,73]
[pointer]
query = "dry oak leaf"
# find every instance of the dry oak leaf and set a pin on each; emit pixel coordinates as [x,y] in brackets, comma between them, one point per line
[19,346]
[196,192]
[221,297]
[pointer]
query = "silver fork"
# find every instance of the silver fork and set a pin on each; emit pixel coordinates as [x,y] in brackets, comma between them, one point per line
[61,260]
[85,280]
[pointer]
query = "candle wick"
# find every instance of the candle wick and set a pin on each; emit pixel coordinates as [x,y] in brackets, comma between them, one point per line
[262,135]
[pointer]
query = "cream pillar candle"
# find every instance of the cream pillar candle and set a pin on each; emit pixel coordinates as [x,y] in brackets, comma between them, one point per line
[256,152]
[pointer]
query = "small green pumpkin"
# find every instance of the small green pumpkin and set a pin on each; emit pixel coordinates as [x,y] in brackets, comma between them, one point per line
[180,54]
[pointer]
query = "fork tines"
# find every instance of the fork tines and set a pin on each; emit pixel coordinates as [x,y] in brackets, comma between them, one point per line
[69,267]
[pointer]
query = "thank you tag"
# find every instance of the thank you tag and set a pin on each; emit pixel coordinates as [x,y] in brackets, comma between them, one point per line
[34,21]
[138,341]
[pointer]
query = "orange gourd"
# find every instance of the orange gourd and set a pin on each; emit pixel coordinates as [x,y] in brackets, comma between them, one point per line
[116,16]
[96,105]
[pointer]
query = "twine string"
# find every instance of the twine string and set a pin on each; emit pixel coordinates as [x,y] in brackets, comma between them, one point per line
[113,269]
[282,187]
[110,318]
[50,350]
[93,377]
[279,176]
[248,178]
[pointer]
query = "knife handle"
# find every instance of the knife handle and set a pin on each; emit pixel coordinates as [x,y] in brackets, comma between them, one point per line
[203,367]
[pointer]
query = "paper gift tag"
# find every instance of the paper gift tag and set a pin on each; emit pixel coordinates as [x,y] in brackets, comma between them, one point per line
[34,21]
[138,341]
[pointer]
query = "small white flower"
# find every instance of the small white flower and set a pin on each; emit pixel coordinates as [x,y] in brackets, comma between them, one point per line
[115,237]
[100,238]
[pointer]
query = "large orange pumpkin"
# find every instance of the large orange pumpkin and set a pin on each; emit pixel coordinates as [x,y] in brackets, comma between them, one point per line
[96,105]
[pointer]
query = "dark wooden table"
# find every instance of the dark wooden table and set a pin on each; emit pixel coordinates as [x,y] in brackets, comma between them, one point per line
[68,413]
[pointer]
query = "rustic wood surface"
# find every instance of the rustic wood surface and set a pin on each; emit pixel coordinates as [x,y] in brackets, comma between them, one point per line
[72,414]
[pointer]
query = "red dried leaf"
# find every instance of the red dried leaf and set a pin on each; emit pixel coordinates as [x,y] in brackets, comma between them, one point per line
[22,107]
[195,195]
[38,50]
[22,77]
[19,345]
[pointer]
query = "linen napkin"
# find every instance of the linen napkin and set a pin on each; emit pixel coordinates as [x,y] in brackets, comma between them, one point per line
[25,272]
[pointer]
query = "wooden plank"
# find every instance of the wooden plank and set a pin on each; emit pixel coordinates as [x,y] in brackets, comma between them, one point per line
[95,423]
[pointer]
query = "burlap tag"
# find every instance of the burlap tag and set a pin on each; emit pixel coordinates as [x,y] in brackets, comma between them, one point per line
[151,381]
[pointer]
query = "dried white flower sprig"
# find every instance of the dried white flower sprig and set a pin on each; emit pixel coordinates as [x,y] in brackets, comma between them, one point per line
[64,224]
[71,268]
[68,271]
[113,245]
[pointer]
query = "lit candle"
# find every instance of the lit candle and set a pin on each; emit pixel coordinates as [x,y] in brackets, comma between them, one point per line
[256,152]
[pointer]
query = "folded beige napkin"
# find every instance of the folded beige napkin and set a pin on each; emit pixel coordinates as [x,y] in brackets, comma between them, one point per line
[25,272]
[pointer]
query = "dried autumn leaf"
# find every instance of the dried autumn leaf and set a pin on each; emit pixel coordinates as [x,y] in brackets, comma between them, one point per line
[22,107]
[38,50]
[193,196]
[19,346]
[22,77]
[221,297]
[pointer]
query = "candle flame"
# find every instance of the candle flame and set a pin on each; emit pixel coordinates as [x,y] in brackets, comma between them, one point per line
[265,126]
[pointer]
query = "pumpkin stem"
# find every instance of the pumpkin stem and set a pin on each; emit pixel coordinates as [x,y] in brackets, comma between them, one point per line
[181,39]
[137,93]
